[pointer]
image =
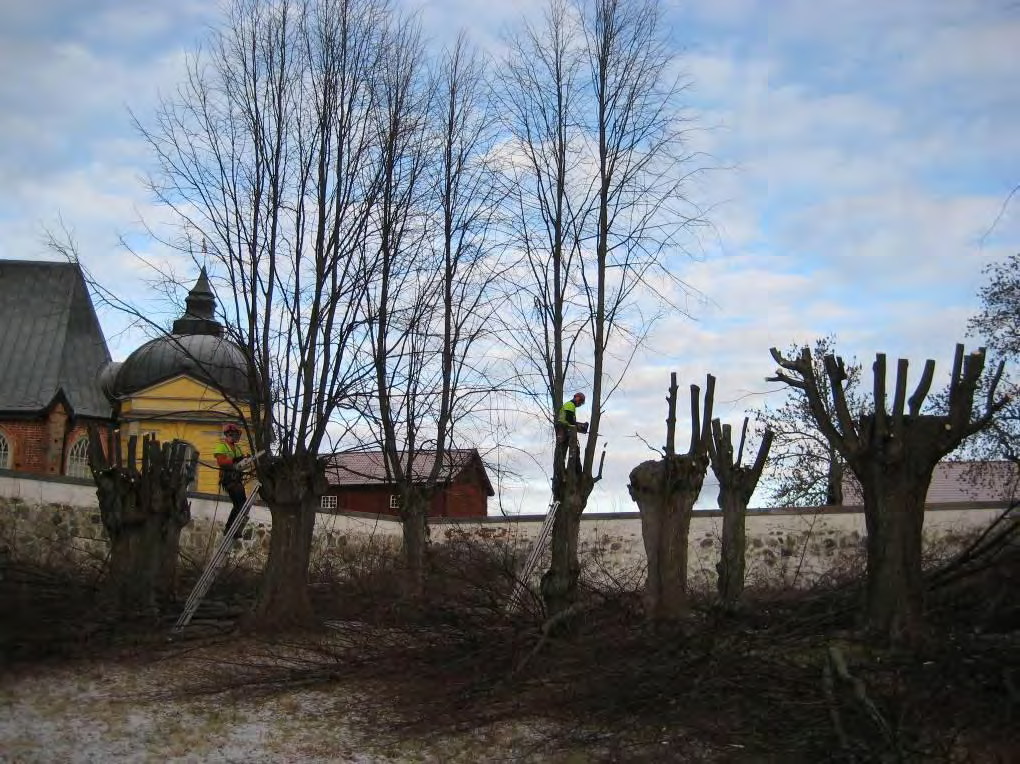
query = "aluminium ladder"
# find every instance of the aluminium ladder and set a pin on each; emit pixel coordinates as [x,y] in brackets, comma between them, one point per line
[212,568]
[521,584]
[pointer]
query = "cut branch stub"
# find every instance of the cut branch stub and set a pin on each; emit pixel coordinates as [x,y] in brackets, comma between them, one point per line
[695,419]
[917,399]
[732,475]
[705,429]
[671,416]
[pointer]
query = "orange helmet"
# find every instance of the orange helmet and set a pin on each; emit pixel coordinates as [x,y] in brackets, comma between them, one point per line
[578,398]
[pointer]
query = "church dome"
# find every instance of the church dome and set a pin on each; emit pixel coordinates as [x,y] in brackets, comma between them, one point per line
[108,378]
[204,357]
[195,348]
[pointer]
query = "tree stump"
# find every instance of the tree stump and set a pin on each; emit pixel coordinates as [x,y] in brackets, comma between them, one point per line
[665,491]
[736,485]
[143,507]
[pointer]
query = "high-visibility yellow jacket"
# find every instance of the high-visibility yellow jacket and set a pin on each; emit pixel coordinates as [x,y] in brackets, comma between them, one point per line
[228,473]
[568,415]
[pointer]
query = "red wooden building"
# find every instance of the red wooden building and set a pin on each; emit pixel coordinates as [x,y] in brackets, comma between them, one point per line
[358,483]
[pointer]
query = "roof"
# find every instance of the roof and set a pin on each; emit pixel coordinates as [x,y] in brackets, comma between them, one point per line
[51,343]
[368,468]
[204,357]
[195,348]
[962,481]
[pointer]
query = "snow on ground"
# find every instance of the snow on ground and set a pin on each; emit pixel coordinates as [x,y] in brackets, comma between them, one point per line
[109,711]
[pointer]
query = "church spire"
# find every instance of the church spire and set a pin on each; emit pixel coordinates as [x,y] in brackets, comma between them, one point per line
[200,311]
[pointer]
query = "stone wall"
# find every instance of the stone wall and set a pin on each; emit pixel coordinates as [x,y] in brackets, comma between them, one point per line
[58,519]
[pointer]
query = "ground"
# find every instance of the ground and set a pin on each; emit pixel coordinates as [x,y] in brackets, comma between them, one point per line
[141,709]
[786,677]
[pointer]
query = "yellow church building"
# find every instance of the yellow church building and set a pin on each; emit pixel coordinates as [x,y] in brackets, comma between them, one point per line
[184,385]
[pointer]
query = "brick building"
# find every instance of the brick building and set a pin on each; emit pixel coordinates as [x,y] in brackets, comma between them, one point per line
[358,483]
[57,377]
[52,356]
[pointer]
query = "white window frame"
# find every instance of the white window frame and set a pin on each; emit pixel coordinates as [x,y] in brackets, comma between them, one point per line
[6,452]
[394,501]
[329,502]
[78,459]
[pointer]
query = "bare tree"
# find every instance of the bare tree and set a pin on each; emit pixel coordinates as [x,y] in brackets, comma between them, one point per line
[998,324]
[430,301]
[596,166]
[804,469]
[893,456]
[665,491]
[268,154]
[736,486]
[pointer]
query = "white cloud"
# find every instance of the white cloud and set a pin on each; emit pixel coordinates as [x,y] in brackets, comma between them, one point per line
[871,146]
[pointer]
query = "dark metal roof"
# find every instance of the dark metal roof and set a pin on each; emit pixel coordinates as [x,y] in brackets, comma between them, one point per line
[200,311]
[51,342]
[196,348]
[368,468]
[204,357]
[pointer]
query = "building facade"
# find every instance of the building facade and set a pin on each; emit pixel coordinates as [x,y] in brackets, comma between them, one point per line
[52,354]
[184,385]
[57,378]
[358,483]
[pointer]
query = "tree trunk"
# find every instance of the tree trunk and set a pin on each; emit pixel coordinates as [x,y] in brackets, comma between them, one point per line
[291,486]
[675,523]
[135,557]
[894,513]
[665,492]
[559,583]
[166,568]
[166,573]
[143,508]
[834,480]
[415,524]
[731,565]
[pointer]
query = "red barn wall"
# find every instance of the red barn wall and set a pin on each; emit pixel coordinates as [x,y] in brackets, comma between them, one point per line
[464,499]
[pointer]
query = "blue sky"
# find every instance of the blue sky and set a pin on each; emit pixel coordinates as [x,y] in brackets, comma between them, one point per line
[863,152]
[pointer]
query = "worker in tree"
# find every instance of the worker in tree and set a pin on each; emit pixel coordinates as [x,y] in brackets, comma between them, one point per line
[231,461]
[567,428]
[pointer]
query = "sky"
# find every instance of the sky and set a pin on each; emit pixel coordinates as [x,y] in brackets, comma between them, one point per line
[859,161]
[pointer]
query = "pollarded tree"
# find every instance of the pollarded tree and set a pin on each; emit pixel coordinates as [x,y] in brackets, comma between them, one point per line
[893,455]
[804,469]
[665,491]
[143,503]
[596,167]
[736,486]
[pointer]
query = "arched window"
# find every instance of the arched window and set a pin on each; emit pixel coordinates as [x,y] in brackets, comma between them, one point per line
[5,453]
[78,459]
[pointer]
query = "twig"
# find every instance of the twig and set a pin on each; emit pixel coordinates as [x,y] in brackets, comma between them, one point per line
[547,628]
[860,693]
